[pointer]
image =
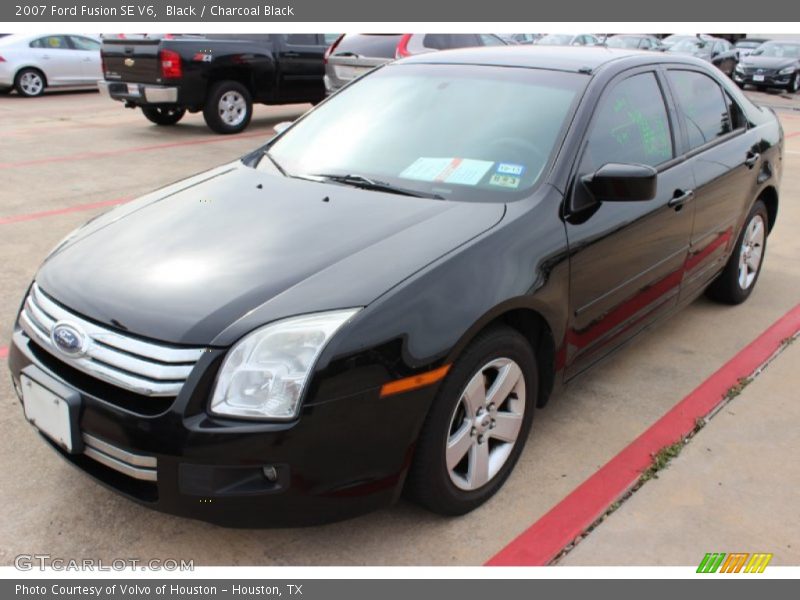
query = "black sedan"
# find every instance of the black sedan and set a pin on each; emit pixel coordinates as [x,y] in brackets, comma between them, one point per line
[773,64]
[635,41]
[380,298]
[717,51]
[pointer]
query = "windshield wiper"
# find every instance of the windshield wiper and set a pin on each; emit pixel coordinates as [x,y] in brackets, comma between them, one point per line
[366,183]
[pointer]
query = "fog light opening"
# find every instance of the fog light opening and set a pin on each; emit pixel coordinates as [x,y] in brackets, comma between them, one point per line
[270,472]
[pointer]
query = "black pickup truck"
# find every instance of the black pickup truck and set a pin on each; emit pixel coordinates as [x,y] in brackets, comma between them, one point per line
[220,74]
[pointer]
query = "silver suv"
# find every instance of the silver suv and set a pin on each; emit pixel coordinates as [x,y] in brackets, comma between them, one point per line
[352,55]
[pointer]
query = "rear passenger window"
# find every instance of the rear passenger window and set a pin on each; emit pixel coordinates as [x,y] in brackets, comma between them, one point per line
[51,42]
[445,41]
[702,105]
[631,126]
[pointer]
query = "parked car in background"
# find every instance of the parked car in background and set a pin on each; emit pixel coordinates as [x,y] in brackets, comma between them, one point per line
[219,74]
[354,54]
[522,39]
[717,51]
[569,39]
[747,45]
[31,63]
[773,64]
[634,41]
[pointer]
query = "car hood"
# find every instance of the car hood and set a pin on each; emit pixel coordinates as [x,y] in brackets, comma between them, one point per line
[767,62]
[208,259]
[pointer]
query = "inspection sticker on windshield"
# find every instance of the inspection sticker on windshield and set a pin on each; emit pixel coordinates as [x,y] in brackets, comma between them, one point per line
[506,181]
[463,171]
[510,169]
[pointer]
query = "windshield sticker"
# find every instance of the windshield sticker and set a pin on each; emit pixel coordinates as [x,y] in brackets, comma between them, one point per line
[463,171]
[510,169]
[506,181]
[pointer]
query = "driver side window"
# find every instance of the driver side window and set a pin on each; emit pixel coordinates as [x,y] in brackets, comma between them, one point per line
[631,126]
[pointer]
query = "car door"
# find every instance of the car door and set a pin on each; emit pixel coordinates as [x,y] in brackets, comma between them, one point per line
[626,258]
[89,52]
[301,66]
[60,64]
[724,157]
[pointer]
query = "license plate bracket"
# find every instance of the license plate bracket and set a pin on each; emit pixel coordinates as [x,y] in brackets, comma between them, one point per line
[53,408]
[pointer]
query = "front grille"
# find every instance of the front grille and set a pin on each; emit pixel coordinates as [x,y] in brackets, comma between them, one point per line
[758,71]
[145,368]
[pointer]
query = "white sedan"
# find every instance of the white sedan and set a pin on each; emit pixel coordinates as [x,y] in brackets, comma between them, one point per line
[29,63]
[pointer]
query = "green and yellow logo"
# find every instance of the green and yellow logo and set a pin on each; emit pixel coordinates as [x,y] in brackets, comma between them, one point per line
[735,562]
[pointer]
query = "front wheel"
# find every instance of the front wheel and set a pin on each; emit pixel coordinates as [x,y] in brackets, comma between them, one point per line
[794,84]
[163,115]
[736,282]
[30,83]
[477,426]
[228,108]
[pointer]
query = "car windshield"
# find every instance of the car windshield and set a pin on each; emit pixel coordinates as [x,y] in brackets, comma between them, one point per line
[556,39]
[774,50]
[688,45]
[623,42]
[456,132]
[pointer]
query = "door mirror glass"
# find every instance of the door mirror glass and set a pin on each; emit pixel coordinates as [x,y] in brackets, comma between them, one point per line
[615,182]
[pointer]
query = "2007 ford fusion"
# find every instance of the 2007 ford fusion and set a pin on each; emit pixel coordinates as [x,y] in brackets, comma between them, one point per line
[378,299]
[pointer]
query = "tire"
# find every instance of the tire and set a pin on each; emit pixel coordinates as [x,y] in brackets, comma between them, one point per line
[228,108]
[163,115]
[739,84]
[30,83]
[736,282]
[460,488]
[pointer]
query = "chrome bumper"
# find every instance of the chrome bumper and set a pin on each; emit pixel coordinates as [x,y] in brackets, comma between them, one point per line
[137,466]
[150,94]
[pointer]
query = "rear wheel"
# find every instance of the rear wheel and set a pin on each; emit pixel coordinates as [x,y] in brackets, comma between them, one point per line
[30,83]
[163,115]
[736,282]
[477,426]
[228,108]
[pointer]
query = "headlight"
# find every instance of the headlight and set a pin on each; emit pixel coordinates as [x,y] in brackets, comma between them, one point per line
[739,68]
[264,374]
[786,71]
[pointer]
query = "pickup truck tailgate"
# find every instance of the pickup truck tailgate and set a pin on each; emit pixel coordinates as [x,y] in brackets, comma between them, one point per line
[135,61]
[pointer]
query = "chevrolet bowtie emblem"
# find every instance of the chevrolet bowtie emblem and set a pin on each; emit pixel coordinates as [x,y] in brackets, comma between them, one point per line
[129,62]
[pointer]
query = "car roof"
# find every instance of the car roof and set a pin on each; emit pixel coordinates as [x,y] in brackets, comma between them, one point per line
[558,58]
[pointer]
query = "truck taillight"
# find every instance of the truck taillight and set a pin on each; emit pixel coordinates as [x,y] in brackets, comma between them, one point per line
[330,49]
[171,67]
[402,46]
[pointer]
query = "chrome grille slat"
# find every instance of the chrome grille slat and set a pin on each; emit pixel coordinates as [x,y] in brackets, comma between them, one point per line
[146,368]
[137,466]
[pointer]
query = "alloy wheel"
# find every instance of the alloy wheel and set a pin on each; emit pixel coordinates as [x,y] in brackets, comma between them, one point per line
[232,108]
[31,83]
[485,424]
[751,251]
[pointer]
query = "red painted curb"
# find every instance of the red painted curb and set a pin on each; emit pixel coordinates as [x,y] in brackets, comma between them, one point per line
[61,211]
[3,352]
[104,154]
[543,540]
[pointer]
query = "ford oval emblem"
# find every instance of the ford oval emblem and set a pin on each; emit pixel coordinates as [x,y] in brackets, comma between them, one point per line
[69,339]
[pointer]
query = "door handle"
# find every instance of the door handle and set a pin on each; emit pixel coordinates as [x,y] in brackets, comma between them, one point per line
[291,54]
[680,198]
[46,56]
[752,159]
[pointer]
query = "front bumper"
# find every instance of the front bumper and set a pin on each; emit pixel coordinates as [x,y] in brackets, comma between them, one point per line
[341,458]
[139,93]
[767,80]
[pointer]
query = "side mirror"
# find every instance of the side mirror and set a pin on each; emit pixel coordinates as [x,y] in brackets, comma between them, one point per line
[282,126]
[616,182]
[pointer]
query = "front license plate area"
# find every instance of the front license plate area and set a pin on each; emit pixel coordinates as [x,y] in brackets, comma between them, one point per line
[758,78]
[52,408]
